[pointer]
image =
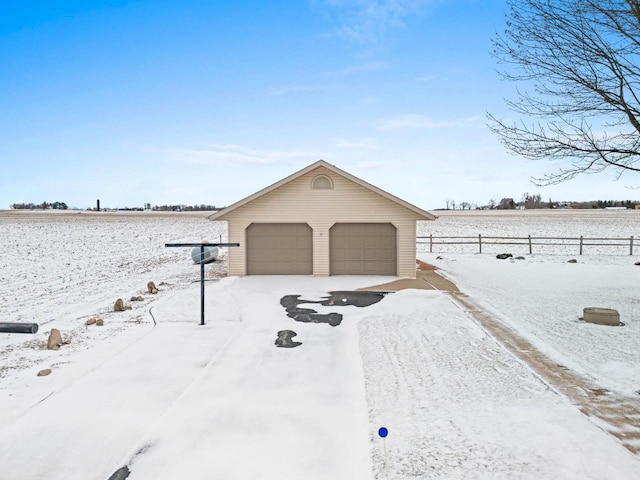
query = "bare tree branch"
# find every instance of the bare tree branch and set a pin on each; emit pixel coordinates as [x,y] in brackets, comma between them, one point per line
[577,65]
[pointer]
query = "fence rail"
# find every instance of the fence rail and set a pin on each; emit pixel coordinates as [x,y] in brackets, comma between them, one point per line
[529,241]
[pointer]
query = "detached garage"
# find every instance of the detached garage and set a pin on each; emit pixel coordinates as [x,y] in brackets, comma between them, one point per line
[322,221]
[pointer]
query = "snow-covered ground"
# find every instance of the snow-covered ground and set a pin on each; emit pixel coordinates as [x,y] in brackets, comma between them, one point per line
[537,223]
[543,297]
[180,400]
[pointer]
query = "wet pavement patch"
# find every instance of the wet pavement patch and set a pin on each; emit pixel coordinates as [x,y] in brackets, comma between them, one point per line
[340,298]
[121,474]
[284,339]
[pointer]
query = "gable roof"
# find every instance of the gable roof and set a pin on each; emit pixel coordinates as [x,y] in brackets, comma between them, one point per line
[336,170]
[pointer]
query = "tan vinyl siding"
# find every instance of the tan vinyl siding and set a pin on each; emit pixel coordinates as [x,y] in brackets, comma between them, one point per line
[346,202]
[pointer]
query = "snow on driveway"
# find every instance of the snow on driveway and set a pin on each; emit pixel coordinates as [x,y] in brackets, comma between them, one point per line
[221,401]
[259,411]
[458,405]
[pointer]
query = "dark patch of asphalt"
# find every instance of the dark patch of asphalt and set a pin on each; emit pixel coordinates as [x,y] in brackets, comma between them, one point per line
[121,474]
[338,299]
[284,339]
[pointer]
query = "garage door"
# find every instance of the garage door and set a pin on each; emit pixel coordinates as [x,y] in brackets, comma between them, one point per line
[279,249]
[363,249]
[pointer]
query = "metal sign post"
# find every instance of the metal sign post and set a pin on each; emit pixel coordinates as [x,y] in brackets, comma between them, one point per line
[201,245]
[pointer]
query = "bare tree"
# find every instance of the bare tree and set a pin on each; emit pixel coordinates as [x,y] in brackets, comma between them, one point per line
[531,201]
[577,63]
[506,204]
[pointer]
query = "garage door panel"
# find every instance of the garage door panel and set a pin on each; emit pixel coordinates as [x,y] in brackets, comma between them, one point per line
[279,249]
[363,249]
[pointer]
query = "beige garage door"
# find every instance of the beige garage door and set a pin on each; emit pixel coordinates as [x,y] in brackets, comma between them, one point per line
[279,249]
[363,249]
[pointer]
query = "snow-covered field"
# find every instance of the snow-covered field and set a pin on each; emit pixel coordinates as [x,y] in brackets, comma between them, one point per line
[180,400]
[537,223]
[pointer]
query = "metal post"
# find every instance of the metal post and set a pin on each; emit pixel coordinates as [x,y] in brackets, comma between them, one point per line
[480,242]
[202,245]
[431,243]
[529,244]
[201,284]
[631,245]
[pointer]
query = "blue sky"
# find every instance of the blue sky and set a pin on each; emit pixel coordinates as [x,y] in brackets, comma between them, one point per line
[189,102]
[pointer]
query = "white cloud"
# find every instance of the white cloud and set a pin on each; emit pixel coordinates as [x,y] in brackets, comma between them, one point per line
[427,78]
[370,164]
[358,144]
[214,154]
[367,21]
[413,122]
[355,69]
[289,89]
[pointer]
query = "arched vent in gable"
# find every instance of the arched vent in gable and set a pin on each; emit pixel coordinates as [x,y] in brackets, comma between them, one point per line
[322,182]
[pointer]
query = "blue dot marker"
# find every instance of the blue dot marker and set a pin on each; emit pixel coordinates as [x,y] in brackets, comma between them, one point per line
[383,432]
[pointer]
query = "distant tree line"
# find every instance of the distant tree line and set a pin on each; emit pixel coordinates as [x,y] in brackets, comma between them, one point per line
[535,201]
[184,208]
[147,206]
[40,206]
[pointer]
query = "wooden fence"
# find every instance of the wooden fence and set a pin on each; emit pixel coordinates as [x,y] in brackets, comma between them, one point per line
[529,241]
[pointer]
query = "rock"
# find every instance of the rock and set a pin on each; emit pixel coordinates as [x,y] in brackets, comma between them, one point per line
[573,260]
[55,339]
[128,307]
[151,287]
[44,373]
[118,306]
[637,263]
[284,339]
[520,258]
[99,322]
[91,321]
[601,316]
[154,291]
[503,256]
[137,299]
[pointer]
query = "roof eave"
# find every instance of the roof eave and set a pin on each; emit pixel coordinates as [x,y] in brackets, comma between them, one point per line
[321,163]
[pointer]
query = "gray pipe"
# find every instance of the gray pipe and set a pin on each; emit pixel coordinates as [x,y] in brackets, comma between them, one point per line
[7,327]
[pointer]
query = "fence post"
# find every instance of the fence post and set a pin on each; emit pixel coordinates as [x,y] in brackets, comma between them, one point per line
[480,242]
[631,245]
[530,245]
[580,244]
[431,243]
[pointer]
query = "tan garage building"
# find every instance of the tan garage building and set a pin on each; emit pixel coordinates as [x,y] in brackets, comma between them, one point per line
[322,221]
